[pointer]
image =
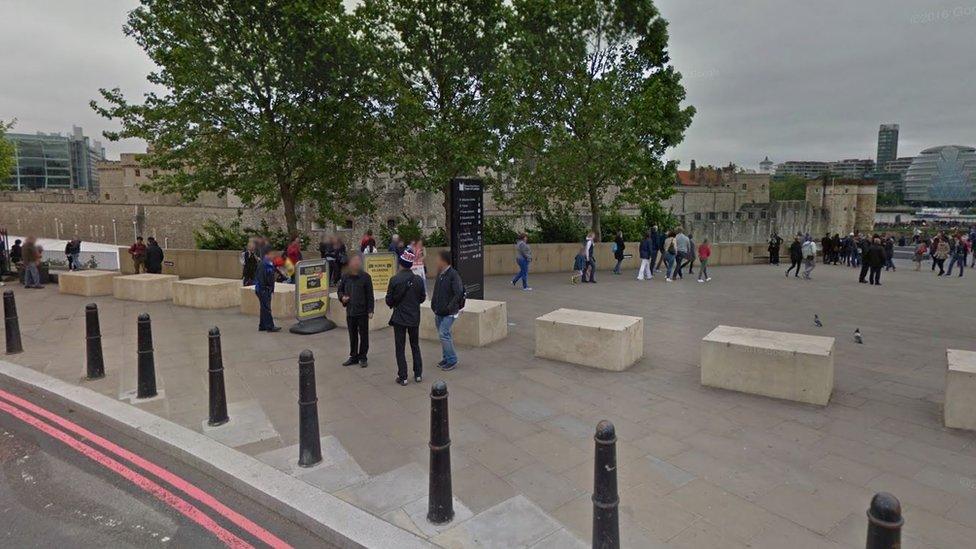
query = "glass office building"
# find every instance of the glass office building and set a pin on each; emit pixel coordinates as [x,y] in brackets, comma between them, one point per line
[887,145]
[942,175]
[54,161]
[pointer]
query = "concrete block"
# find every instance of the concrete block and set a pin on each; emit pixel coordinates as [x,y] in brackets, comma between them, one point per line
[481,323]
[144,287]
[282,301]
[599,340]
[86,283]
[207,293]
[795,367]
[960,390]
[381,313]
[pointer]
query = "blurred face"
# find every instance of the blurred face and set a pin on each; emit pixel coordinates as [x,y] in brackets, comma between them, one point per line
[355,263]
[441,264]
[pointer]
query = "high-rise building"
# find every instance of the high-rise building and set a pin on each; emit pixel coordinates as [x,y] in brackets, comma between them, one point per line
[808,169]
[891,179]
[55,161]
[766,166]
[942,175]
[887,145]
[851,168]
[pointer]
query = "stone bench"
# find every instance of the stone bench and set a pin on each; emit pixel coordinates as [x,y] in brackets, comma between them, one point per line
[599,340]
[207,293]
[481,323]
[86,283]
[381,313]
[144,287]
[282,301]
[960,390]
[795,367]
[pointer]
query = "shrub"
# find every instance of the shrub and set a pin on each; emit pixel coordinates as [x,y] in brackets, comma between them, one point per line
[436,238]
[632,226]
[408,229]
[654,214]
[499,230]
[560,224]
[214,236]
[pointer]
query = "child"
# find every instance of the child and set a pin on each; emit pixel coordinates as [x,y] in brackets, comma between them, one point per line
[579,264]
[920,252]
[704,252]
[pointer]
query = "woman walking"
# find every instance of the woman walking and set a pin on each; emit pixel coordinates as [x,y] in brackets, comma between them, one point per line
[940,255]
[670,252]
[618,251]
[704,252]
[523,256]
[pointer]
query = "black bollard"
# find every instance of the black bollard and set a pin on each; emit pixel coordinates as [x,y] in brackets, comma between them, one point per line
[884,522]
[440,505]
[11,324]
[146,384]
[218,396]
[93,339]
[606,525]
[309,446]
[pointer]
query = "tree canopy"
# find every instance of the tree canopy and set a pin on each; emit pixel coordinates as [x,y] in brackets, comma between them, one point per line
[7,153]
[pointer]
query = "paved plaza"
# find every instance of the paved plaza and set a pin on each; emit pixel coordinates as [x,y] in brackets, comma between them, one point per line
[698,467]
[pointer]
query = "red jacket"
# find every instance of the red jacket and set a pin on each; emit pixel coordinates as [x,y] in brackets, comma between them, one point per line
[294,253]
[704,251]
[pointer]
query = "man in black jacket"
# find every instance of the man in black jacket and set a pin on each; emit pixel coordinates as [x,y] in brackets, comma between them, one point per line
[874,259]
[404,295]
[356,295]
[446,304]
[154,257]
[796,256]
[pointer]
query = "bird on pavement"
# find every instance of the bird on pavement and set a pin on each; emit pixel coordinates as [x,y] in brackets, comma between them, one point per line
[857,336]
[816,320]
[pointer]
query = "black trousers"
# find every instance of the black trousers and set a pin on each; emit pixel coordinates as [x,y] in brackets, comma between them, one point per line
[358,327]
[266,321]
[864,272]
[400,334]
[875,275]
[794,264]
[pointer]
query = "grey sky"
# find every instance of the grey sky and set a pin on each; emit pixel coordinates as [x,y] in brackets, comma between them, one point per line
[794,79]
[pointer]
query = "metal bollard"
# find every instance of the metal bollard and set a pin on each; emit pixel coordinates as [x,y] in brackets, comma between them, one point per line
[11,324]
[309,446]
[146,384]
[884,522]
[606,525]
[440,504]
[218,395]
[93,340]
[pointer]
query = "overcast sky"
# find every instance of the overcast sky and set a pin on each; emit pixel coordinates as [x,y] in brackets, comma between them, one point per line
[794,79]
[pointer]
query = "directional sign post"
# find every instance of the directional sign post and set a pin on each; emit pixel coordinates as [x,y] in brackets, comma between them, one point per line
[312,297]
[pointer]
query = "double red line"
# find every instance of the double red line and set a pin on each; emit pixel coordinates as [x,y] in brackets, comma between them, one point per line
[86,443]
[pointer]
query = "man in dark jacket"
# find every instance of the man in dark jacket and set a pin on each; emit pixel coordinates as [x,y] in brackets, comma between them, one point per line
[404,295]
[154,257]
[647,257]
[355,292]
[874,259]
[446,304]
[796,256]
[264,285]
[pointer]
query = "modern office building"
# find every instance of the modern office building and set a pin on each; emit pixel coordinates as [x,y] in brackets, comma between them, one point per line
[55,161]
[807,169]
[942,175]
[887,144]
[851,168]
[891,179]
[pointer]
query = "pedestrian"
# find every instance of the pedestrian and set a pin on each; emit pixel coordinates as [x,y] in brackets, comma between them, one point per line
[419,258]
[809,250]
[446,303]
[775,243]
[396,245]
[692,253]
[264,284]
[71,252]
[523,256]
[889,249]
[920,252]
[31,257]
[682,246]
[959,255]
[16,253]
[154,257]
[704,252]
[355,292]
[670,254]
[940,255]
[579,265]
[138,253]
[618,251]
[589,271]
[827,247]
[874,259]
[659,246]
[249,263]
[796,256]
[294,250]
[340,259]
[646,257]
[367,244]
[404,295]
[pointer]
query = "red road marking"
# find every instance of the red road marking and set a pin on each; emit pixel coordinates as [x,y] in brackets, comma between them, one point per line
[177,482]
[161,493]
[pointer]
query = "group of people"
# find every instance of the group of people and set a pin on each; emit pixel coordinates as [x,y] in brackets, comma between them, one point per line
[27,257]
[955,248]
[147,257]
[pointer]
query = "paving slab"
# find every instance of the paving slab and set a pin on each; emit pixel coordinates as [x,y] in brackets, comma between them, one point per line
[248,424]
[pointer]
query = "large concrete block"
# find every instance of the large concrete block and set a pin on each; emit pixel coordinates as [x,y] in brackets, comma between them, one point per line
[381,313]
[599,340]
[282,301]
[776,364]
[86,283]
[481,323]
[207,293]
[144,287]
[960,390]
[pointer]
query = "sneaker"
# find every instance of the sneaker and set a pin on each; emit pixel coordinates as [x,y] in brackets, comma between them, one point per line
[274,329]
[363,363]
[350,361]
[700,280]
[441,363]
[418,379]
[526,289]
[709,279]
[401,382]
[450,367]
[667,280]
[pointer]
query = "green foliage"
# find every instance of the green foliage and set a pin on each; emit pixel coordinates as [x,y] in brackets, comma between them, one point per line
[212,235]
[790,188]
[653,214]
[632,226]
[7,153]
[436,238]
[408,230]
[890,199]
[499,230]
[560,224]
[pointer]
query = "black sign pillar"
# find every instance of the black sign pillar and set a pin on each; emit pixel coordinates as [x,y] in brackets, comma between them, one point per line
[467,234]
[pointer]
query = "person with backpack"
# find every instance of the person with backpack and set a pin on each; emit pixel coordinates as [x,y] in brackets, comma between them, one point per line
[404,295]
[446,303]
[920,252]
[618,251]
[589,247]
[796,256]
[355,291]
[809,250]
[670,254]
[523,256]
[646,257]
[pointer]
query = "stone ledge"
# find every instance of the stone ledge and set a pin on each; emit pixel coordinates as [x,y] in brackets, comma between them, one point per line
[481,323]
[598,340]
[86,283]
[282,301]
[207,293]
[144,287]
[960,390]
[381,313]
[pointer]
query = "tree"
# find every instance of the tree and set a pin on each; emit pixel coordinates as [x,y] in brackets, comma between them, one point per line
[594,105]
[440,73]
[791,187]
[269,99]
[8,153]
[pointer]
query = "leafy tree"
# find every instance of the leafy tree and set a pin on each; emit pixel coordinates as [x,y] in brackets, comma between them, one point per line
[791,187]
[499,230]
[439,68]
[408,229]
[632,226]
[559,223]
[7,153]
[269,99]
[593,105]
[890,199]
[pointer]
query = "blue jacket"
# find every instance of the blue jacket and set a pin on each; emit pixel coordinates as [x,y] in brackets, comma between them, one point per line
[579,262]
[646,248]
[265,277]
[657,241]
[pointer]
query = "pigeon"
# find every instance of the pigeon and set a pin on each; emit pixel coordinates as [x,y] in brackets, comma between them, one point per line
[816,320]
[857,336]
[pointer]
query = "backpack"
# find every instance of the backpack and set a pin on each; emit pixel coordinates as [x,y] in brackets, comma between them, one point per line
[671,248]
[614,247]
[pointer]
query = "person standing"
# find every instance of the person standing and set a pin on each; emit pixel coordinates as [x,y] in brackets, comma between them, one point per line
[154,257]
[646,257]
[618,251]
[959,255]
[355,292]
[682,245]
[16,252]
[404,295]
[704,252]
[775,243]
[889,249]
[590,251]
[874,259]
[655,247]
[396,245]
[264,285]
[367,244]
[940,254]
[809,257]
[138,253]
[249,263]
[796,256]
[670,252]
[692,253]
[446,304]
[419,257]
[920,252]
[32,259]
[71,252]
[523,256]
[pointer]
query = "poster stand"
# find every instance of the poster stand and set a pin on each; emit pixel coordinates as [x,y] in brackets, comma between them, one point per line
[312,297]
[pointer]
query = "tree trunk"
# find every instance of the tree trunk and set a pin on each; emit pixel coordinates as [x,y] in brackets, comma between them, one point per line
[288,205]
[595,214]
[447,213]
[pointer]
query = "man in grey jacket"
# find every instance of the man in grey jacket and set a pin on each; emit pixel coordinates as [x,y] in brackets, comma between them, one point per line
[523,256]
[683,246]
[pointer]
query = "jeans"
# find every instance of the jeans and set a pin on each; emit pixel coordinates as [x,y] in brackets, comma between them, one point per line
[589,269]
[702,269]
[889,264]
[400,334]
[444,324]
[645,270]
[32,276]
[523,274]
[678,262]
[808,265]
[358,327]
[264,303]
[957,260]
[669,261]
[616,268]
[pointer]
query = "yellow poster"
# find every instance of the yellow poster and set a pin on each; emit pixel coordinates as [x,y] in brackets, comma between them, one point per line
[381,268]
[311,288]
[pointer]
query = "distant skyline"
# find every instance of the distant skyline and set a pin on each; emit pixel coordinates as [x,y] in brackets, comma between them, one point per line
[791,80]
